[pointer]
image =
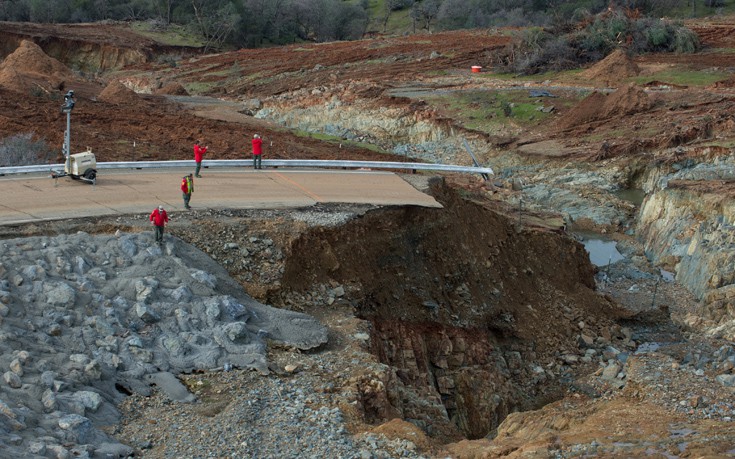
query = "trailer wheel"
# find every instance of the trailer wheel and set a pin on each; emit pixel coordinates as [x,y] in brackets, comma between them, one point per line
[90,175]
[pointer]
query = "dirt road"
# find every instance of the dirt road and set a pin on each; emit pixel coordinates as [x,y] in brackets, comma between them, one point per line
[38,198]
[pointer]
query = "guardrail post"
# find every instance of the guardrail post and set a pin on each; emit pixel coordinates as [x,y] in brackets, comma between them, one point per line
[474,160]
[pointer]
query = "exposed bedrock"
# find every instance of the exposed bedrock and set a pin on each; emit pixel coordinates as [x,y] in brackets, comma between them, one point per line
[686,225]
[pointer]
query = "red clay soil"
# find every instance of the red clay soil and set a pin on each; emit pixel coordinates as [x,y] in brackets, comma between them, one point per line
[118,34]
[28,68]
[382,60]
[616,67]
[94,46]
[32,85]
[118,93]
[160,129]
[172,89]
[597,106]
[714,32]
[700,61]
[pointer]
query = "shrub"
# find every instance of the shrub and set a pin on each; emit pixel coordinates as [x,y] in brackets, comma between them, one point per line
[22,150]
[396,5]
[658,36]
[564,47]
[685,41]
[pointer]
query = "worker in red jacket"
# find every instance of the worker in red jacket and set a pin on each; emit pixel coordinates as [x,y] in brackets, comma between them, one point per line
[187,188]
[198,155]
[158,219]
[257,151]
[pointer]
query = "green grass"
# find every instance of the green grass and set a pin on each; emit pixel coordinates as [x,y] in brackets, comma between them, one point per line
[197,87]
[338,140]
[684,77]
[679,76]
[721,50]
[701,11]
[485,111]
[198,71]
[719,143]
[173,35]
[231,71]
[438,73]
[398,22]
[564,75]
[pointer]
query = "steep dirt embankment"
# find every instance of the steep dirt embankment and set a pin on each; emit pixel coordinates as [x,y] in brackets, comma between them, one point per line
[80,55]
[88,47]
[95,57]
[474,318]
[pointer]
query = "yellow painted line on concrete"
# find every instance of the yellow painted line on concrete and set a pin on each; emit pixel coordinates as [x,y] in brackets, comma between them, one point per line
[315,196]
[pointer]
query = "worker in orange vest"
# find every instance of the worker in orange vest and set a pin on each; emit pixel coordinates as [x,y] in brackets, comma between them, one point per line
[187,188]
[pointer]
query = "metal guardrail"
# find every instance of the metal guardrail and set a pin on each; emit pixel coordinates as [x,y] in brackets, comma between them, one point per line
[273,163]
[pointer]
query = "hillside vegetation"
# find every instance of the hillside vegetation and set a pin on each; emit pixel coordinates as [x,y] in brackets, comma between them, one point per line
[221,24]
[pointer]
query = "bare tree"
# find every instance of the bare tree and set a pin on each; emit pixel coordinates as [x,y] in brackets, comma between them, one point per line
[165,8]
[136,10]
[215,24]
[388,10]
[317,18]
[101,9]
[267,19]
[393,5]
[426,12]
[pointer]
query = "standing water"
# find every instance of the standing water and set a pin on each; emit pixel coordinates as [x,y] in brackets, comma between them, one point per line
[634,195]
[602,252]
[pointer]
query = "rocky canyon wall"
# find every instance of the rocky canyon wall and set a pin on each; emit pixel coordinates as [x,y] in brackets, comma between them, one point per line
[687,225]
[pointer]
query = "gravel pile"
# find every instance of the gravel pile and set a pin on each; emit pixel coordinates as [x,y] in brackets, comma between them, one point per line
[244,415]
[86,319]
[692,379]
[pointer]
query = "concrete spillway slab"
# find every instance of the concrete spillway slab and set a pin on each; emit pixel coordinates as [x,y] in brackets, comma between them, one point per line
[35,198]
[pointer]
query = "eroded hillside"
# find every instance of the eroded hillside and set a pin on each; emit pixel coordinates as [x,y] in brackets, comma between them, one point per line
[445,324]
[458,332]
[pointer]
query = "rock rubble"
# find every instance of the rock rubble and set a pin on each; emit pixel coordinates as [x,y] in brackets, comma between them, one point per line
[87,319]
